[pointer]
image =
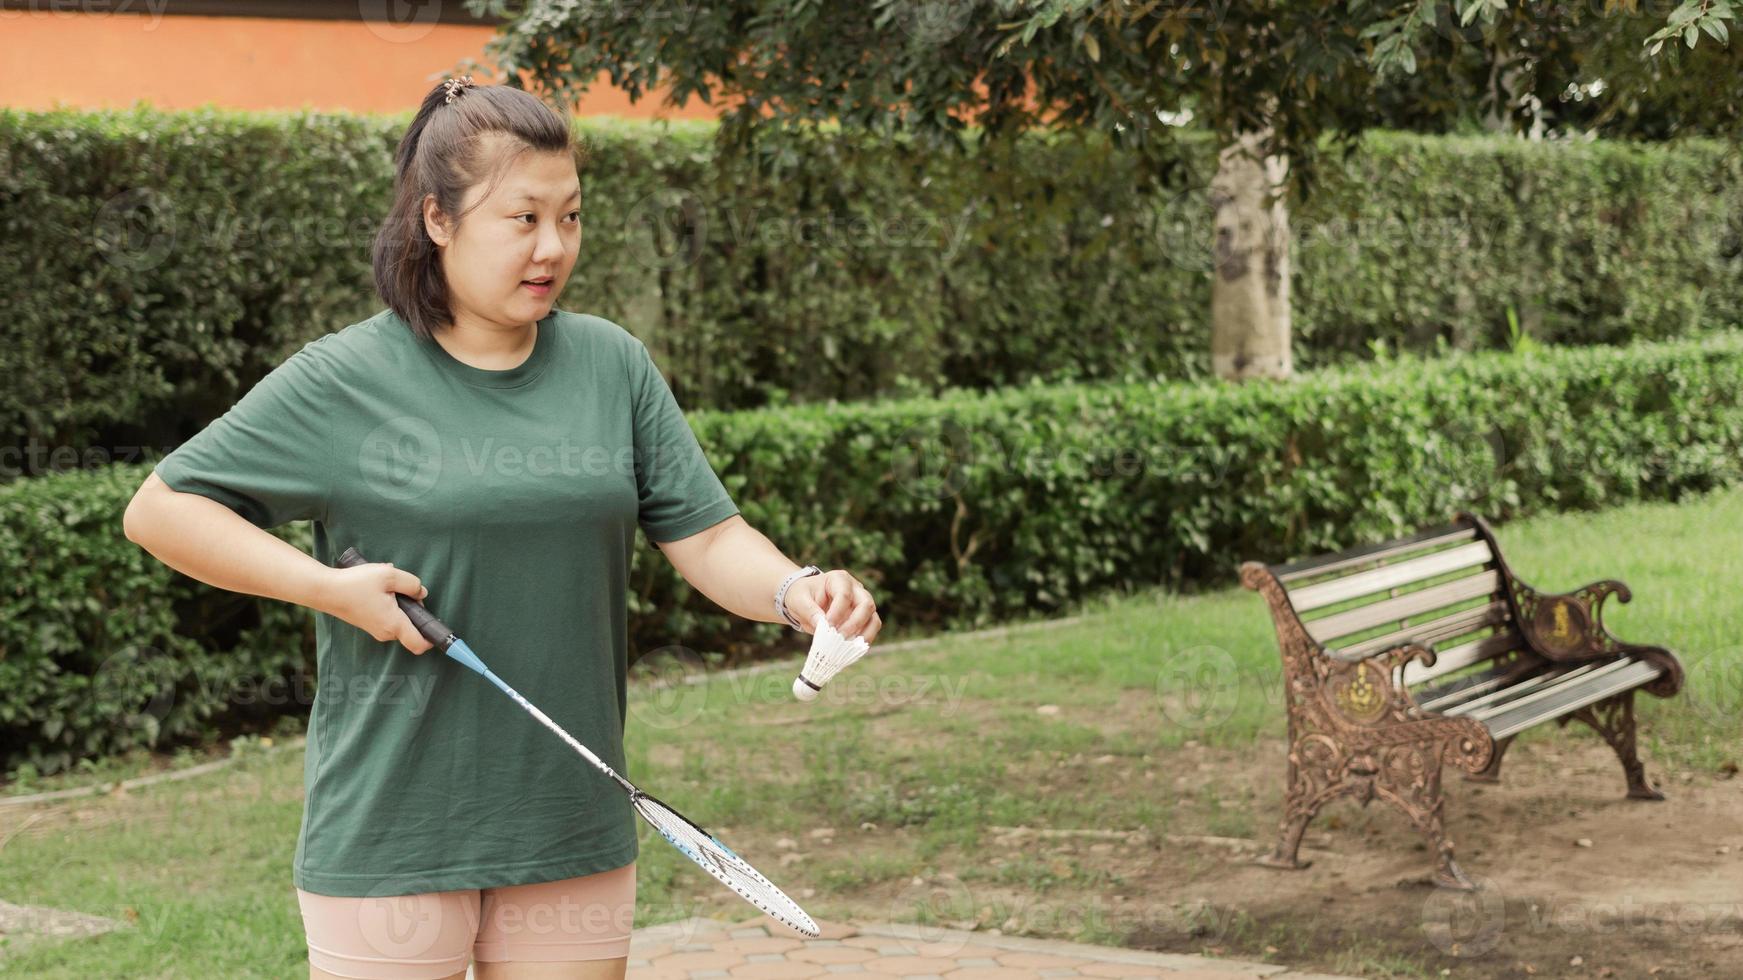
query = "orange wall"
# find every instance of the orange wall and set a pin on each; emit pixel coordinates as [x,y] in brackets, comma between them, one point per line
[110,61]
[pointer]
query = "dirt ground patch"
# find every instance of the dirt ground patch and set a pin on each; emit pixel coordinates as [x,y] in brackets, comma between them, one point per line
[1578,880]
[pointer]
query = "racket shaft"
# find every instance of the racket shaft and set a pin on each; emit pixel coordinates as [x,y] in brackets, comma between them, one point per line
[545,720]
[445,640]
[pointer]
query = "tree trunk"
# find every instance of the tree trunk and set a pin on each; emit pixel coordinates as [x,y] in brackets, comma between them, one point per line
[1249,293]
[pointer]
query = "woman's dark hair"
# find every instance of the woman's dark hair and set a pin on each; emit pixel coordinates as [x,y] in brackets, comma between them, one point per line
[450,148]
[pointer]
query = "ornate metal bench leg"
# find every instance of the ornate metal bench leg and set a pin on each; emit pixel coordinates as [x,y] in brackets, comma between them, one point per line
[1298,809]
[1409,779]
[1613,718]
[1492,772]
[1315,779]
[1447,873]
[1289,844]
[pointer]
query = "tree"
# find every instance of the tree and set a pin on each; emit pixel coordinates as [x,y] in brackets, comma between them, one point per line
[1270,79]
[1586,71]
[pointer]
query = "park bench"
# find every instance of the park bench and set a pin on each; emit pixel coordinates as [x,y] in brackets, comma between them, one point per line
[1402,656]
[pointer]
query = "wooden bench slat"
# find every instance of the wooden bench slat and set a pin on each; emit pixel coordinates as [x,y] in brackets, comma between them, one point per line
[1454,624]
[1328,628]
[1321,594]
[1525,687]
[1567,700]
[1465,654]
[1451,693]
[1363,553]
[1464,688]
[1350,557]
[1519,699]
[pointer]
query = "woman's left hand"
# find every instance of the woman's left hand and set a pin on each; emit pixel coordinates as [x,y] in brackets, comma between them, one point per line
[848,606]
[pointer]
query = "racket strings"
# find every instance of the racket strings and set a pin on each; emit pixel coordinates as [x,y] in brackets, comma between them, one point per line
[720,861]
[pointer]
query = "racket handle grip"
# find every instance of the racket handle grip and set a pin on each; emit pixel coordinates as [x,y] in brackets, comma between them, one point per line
[426,622]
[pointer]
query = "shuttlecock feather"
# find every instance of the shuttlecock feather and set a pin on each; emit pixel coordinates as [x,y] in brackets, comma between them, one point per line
[830,652]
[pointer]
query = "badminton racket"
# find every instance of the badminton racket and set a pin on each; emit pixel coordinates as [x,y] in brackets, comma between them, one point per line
[695,843]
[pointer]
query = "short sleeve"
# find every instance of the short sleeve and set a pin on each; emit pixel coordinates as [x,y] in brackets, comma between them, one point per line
[679,492]
[268,457]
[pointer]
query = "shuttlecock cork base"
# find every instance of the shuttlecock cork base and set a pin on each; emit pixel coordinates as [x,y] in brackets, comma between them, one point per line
[830,652]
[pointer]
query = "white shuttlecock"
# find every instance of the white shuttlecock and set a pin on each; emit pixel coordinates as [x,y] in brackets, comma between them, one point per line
[830,652]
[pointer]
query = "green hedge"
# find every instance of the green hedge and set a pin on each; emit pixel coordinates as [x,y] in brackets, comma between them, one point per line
[159,263]
[960,511]
[103,648]
[1587,242]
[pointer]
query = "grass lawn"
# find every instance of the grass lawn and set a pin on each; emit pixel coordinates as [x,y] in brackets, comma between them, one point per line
[883,799]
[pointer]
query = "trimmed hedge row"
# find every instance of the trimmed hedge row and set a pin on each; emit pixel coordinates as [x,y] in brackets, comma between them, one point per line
[103,648]
[160,263]
[960,511]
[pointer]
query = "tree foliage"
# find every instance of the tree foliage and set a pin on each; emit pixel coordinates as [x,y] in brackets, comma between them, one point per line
[1296,70]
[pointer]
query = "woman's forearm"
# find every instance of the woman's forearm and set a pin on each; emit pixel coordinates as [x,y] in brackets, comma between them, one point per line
[741,570]
[205,540]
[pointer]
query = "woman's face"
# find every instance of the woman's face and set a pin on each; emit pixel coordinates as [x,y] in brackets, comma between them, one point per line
[528,228]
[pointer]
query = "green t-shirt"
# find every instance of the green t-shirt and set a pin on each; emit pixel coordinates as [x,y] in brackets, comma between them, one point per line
[514,496]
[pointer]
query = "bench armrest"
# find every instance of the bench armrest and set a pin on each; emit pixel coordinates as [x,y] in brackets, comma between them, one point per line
[1360,702]
[1392,661]
[1365,700]
[1569,627]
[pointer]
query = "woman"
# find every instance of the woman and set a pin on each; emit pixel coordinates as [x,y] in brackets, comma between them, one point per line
[494,456]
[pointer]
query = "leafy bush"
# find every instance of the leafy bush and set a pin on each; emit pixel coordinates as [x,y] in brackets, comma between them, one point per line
[160,263]
[961,510]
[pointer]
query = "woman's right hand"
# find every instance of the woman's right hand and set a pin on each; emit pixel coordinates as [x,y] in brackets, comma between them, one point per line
[363,595]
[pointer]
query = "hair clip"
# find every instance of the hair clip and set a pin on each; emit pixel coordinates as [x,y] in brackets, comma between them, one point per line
[456,86]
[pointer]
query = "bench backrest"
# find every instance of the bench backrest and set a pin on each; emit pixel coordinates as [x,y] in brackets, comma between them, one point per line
[1441,587]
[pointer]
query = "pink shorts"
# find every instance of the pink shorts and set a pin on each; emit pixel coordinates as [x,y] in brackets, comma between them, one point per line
[432,935]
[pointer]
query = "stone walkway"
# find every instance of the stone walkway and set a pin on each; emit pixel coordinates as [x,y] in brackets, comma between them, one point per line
[764,949]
